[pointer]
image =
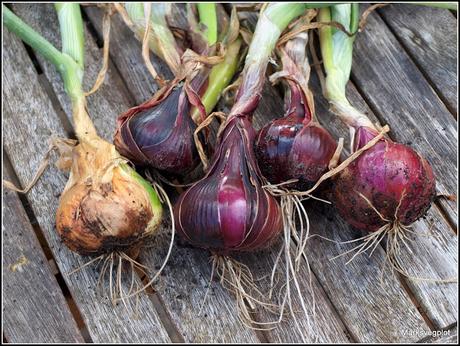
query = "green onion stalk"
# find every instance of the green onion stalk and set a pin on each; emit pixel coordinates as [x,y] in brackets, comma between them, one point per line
[160,133]
[106,209]
[389,185]
[229,210]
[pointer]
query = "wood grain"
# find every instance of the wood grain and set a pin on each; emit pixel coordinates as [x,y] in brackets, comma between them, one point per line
[34,309]
[430,36]
[104,105]
[29,122]
[395,88]
[407,112]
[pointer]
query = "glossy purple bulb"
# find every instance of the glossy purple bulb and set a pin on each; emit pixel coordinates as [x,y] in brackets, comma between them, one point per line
[228,210]
[295,146]
[159,133]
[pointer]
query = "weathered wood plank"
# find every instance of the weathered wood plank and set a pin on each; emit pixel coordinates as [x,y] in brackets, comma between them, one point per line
[34,306]
[30,120]
[325,326]
[126,53]
[430,36]
[418,117]
[108,101]
[185,299]
[269,110]
[394,87]
[183,287]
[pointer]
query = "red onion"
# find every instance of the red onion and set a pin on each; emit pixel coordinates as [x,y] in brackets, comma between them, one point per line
[159,132]
[295,146]
[228,209]
[390,182]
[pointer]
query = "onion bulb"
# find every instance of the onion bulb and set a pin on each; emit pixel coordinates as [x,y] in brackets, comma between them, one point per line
[295,146]
[105,206]
[388,183]
[228,210]
[159,132]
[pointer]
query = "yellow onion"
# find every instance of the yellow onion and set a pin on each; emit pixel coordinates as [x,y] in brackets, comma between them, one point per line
[105,205]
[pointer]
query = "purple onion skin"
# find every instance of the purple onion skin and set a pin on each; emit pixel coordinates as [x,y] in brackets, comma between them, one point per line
[228,210]
[295,146]
[159,133]
[398,182]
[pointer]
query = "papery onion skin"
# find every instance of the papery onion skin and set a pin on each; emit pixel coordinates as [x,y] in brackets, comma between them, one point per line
[228,210]
[396,180]
[115,214]
[295,146]
[159,133]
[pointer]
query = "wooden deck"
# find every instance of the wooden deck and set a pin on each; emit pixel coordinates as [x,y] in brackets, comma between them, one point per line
[404,74]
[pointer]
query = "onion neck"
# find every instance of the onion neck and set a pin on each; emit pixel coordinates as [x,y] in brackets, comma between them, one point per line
[208,17]
[219,78]
[69,62]
[337,53]
[272,21]
[162,41]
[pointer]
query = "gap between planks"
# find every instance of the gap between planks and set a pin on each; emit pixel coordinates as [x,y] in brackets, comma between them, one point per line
[162,311]
[123,85]
[73,308]
[45,84]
